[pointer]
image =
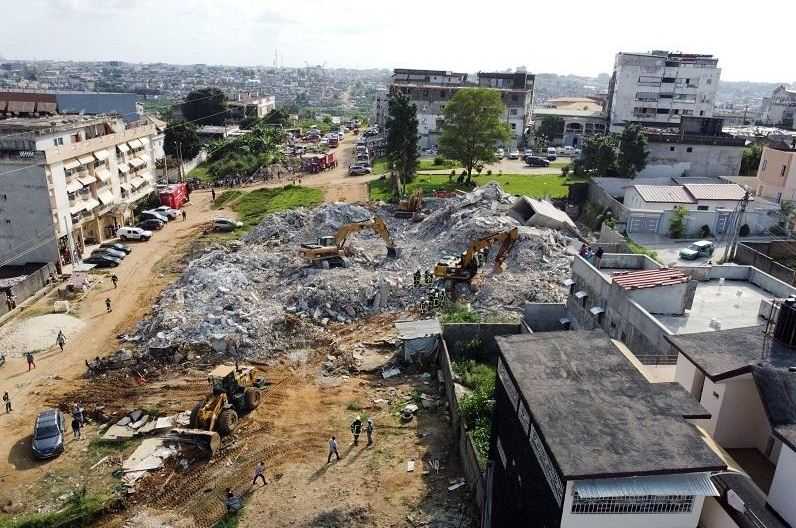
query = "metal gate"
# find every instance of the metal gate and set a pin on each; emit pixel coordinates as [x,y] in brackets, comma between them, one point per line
[643,224]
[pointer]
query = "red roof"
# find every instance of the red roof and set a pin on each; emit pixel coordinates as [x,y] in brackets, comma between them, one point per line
[633,280]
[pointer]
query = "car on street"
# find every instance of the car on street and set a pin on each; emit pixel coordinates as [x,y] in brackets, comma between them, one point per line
[101,260]
[551,151]
[536,161]
[701,248]
[151,224]
[108,251]
[118,246]
[500,153]
[168,211]
[514,154]
[48,434]
[551,157]
[358,170]
[133,233]
[225,225]
[153,215]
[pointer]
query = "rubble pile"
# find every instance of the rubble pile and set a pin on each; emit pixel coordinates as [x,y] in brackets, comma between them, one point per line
[260,297]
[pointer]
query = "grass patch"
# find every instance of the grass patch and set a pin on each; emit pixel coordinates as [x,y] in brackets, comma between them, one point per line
[380,166]
[99,448]
[638,249]
[230,520]
[558,163]
[253,206]
[430,164]
[200,173]
[226,197]
[475,375]
[459,313]
[80,509]
[477,407]
[533,185]
[353,406]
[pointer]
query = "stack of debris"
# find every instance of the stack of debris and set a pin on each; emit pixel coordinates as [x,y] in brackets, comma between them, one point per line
[259,298]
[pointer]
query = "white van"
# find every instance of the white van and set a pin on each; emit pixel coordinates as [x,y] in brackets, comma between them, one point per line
[568,151]
[551,151]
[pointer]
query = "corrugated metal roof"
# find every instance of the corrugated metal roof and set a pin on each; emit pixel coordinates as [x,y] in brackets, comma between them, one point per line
[715,191]
[664,193]
[633,280]
[697,484]
[418,329]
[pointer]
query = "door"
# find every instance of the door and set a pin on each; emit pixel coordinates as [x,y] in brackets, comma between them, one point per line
[644,224]
[721,222]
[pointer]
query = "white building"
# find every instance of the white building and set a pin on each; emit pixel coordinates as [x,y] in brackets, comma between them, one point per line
[779,109]
[69,174]
[659,87]
[247,105]
[430,90]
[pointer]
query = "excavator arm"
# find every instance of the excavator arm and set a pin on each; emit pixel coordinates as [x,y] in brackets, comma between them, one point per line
[377,224]
[467,266]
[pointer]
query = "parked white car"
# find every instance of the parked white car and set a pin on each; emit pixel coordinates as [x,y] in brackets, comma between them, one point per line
[225,225]
[133,233]
[168,211]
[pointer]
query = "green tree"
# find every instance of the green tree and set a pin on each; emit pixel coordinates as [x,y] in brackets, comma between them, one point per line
[598,157]
[206,106]
[677,223]
[751,159]
[277,117]
[473,127]
[402,140]
[632,151]
[551,127]
[182,136]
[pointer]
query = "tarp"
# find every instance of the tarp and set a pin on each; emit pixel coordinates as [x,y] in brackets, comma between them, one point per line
[42,106]
[697,484]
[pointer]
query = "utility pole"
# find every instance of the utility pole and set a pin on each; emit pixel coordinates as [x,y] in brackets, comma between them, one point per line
[179,152]
[729,251]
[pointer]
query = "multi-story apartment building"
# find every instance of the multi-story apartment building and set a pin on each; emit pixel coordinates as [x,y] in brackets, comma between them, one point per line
[659,87]
[248,105]
[69,175]
[780,108]
[430,90]
[776,173]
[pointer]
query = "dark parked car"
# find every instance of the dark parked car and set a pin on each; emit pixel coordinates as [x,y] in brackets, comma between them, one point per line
[118,246]
[48,434]
[551,157]
[152,215]
[536,161]
[151,224]
[103,261]
[111,252]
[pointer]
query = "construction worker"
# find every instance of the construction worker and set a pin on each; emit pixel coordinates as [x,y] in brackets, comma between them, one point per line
[31,363]
[332,449]
[429,278]
[417,278]
[7,401]
[114,280]
[356,428]
[60,340]
[76,428]
[212,194]
[259,473]
[369,430]
[108,304]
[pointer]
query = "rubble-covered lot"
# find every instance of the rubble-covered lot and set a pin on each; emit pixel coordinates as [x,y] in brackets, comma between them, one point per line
[258,297]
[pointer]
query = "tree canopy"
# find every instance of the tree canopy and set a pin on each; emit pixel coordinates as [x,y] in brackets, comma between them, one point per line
[598,157]
[550,128]
[206,106]
[402,139]
[474,125]
[632,151]
[751,159]
[182,135]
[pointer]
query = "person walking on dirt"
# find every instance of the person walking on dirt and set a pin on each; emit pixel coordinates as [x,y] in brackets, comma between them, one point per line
[76,428]
[114,280]
[7,401]
[108,304]
[369,430]
[31,363]
[60,340]
[259,473]
[184,215]
[356,428]
[77,413]
[332,449]
[212,194]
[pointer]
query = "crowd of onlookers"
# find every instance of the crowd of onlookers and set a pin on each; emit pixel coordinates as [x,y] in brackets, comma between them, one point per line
[594,257]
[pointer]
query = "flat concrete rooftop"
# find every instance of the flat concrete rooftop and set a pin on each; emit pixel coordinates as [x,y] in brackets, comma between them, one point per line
[712,300]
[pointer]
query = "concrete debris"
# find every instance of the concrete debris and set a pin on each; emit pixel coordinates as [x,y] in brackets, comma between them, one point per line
[389,373]
[150,455]
[258,300]
[136,423]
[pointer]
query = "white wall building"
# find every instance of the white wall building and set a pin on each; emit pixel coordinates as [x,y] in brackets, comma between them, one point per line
[779,109]
[69,174]
[660,87]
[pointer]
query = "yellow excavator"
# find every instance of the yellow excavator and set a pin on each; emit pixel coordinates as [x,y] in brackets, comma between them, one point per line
[330,251]
[235,390]
[465,267]
[409,207]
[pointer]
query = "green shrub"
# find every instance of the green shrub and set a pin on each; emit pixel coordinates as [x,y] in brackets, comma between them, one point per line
[489,172]
[677,223]
[459,313]
[475,375]
[80,509]
[440,161]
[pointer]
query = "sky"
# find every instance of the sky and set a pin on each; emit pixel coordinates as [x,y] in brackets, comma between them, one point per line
[572,37]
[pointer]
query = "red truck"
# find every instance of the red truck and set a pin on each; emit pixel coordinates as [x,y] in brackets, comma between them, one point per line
[313,163]
[174,195]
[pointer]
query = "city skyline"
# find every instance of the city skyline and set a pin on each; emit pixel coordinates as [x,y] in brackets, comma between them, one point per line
[361,35]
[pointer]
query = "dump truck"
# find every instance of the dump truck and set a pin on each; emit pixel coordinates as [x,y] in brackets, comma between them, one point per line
[330,251]
[236,390]
[409,207]
[466,266]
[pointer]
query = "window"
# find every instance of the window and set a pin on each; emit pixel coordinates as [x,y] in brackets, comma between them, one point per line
[668,79]
[671,149]
[58,141]
[703,207]
[708,81]
[514,126]
[663,111]
[689,149]
[649,81]
[701,112]
[765,161]
[784,168]
[642,504]
[513,111]
[514,98]
[646,96]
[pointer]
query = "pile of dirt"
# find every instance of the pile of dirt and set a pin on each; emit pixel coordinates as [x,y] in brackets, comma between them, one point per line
[237,298]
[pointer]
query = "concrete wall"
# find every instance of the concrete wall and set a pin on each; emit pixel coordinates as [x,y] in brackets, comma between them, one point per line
[714,515]
[781,494]
[626,520]
[27,232]
[628,261]
[663,300]
[761,255]
[777,174]
[701,161]
[544,317]
[36,279]
[738,419]
[603,200]
[691,378]
[459,335]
